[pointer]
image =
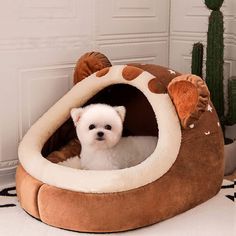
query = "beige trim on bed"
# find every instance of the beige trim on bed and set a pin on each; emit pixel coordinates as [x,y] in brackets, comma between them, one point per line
[92,181]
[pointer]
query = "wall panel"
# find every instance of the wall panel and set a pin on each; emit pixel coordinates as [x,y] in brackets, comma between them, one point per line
[189,24]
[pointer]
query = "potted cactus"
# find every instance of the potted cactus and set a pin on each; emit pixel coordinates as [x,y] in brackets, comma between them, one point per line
[197,59]
[230,128]
[215,79]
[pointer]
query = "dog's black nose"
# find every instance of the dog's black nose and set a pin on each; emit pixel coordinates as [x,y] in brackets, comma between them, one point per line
[100,134]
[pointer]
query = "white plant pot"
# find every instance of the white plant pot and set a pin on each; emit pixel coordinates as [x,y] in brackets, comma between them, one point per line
[230,158]
[230,150]
[230,131]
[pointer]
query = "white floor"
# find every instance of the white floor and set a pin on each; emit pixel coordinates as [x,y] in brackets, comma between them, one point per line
[216,217]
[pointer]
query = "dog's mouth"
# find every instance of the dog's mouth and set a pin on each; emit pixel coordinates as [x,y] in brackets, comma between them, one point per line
[100,139]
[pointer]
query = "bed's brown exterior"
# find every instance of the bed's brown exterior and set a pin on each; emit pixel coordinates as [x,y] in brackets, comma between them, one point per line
[27,189]
[195,177]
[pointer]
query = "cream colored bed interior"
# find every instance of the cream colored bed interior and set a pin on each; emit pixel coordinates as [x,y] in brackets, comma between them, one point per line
[156,165]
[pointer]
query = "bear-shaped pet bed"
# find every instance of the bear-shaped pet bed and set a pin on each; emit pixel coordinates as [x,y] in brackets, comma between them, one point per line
[185,169]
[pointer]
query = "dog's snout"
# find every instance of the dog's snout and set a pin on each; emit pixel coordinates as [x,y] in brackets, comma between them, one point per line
[100,134]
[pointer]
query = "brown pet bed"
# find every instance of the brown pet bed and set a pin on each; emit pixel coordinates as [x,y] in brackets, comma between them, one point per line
[185,169]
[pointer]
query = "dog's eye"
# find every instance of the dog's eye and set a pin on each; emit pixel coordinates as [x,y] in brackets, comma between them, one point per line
[108,127]
[92,127]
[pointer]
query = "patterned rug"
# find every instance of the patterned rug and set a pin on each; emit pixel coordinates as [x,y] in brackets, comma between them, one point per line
[214,217]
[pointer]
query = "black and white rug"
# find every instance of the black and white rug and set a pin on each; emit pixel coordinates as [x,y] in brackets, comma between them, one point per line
[214,217]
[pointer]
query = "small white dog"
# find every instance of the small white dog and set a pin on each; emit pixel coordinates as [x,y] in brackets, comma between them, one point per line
[99,129]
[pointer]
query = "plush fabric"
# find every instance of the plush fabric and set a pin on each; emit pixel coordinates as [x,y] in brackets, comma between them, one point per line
[130,72]
[27,189]
[102,72]
[156,86]
[89,63]
[190,96]
[185,169]
[71,149]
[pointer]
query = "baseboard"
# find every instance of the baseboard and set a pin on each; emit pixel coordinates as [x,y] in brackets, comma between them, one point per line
[7,175]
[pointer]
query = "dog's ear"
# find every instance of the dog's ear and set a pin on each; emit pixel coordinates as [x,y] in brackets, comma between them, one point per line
[121,112]
[76,114]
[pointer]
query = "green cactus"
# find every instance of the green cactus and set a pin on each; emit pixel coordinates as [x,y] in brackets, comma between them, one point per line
[215,65]
[197,59]
[231,117]
[214,5]
[215,56]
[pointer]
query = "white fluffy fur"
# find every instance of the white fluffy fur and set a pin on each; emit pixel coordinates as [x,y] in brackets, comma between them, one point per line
[99,116]
[110,151]
[92,181]
[129,151]
[73,162]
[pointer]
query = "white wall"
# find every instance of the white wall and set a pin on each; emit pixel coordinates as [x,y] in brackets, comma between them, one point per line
[131,30]
[40,41]
[189,23]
